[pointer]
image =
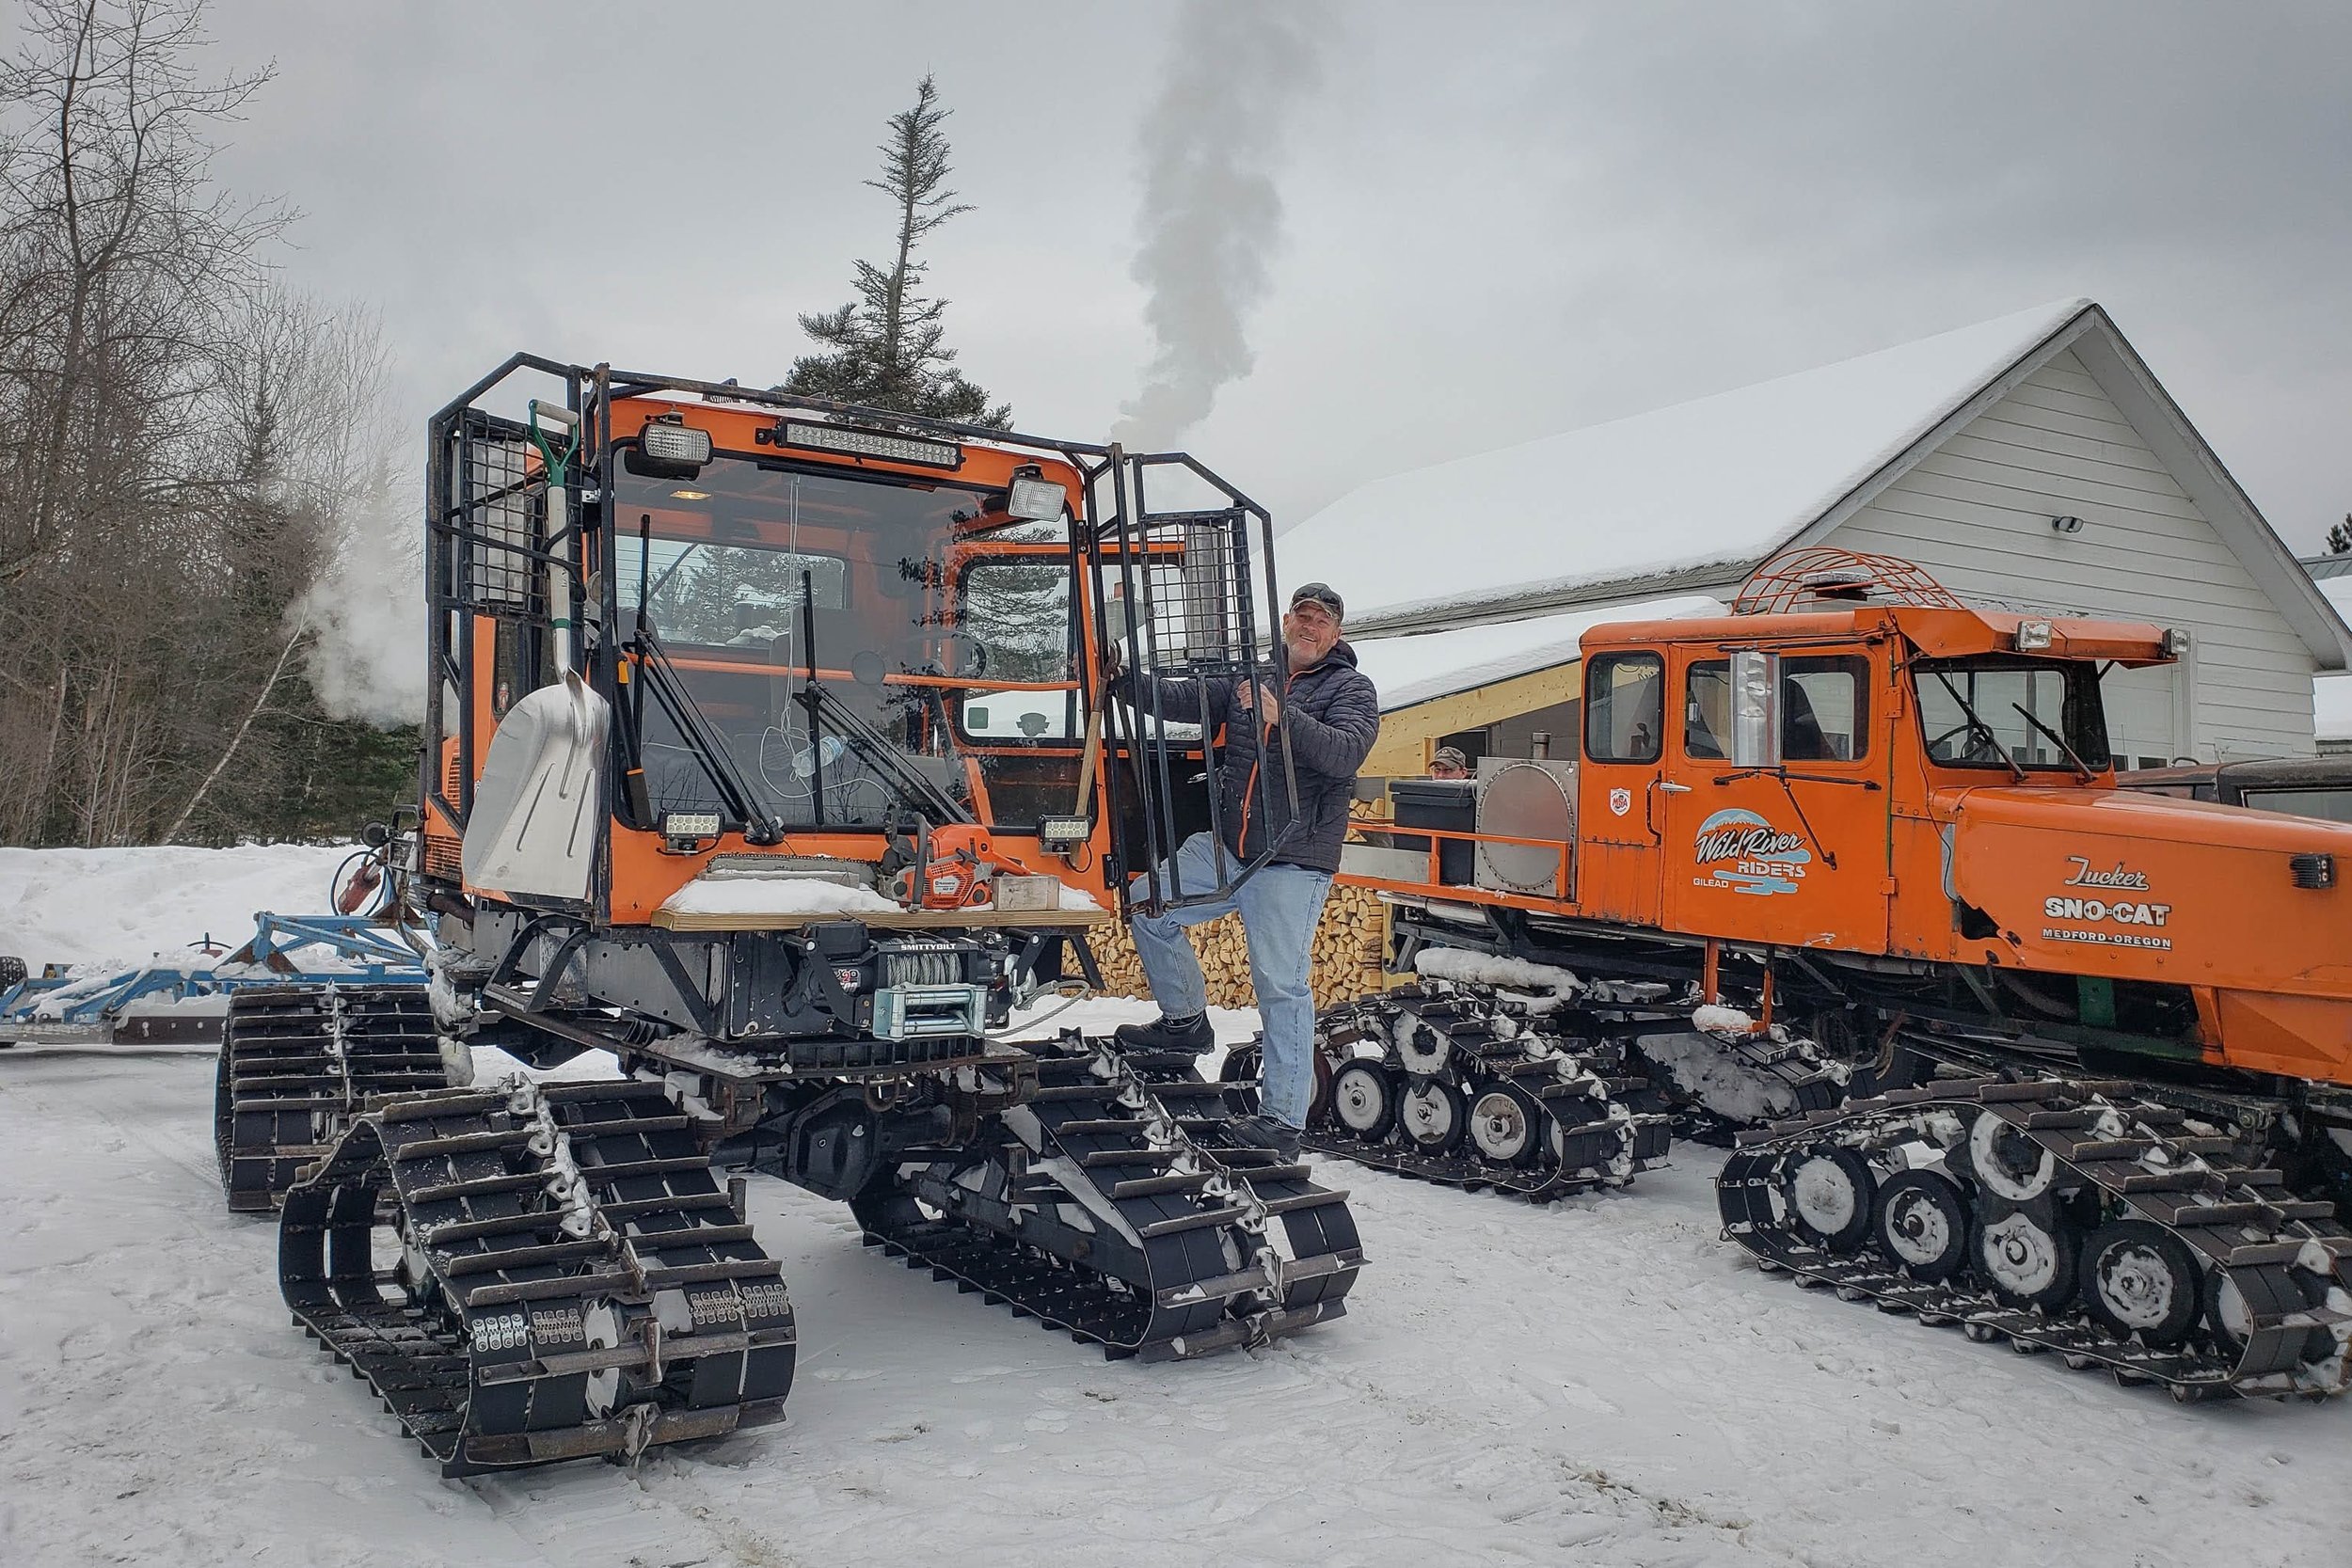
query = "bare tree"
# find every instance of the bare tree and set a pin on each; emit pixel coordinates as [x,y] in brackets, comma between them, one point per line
[180,444]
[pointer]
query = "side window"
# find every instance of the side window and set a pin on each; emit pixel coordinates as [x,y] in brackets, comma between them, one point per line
[1624,707]
[2335,806]
[1706,710]
[1824,709]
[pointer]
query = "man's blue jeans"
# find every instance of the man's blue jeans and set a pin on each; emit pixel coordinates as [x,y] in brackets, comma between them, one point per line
[1278,905]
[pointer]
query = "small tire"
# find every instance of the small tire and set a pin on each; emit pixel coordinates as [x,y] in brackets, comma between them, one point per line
[2136,1278]
[13,972]
[1364,1101]
[1433,1116]
[1506,1128]
[1830,1194]
[1920,1223]
[2027,1261]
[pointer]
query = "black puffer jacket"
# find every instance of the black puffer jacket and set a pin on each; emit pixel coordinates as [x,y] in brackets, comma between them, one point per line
[1330,715]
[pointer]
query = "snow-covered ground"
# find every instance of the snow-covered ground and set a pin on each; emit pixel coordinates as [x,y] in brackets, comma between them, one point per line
[103,906]
[1601,1381]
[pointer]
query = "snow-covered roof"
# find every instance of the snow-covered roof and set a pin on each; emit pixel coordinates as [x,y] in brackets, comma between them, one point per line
[1714,484]
[1427,665]
[1692,499]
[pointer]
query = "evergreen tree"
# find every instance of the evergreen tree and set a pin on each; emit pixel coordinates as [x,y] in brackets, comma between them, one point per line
[884,347]
[2340,537]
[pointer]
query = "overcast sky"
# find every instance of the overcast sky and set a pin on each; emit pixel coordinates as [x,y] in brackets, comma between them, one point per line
[1499,221]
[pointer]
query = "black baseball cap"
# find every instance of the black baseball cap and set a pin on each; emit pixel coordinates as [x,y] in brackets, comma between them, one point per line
[1322,594]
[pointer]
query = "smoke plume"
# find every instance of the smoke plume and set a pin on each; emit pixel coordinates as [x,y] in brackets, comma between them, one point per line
[1211,213]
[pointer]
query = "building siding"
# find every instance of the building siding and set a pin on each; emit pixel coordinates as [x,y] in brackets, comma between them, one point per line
[1976,512]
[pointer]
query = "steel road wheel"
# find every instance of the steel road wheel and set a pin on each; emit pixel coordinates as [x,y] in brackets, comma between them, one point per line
[2009,1163]
[1432,1115]
[1830,1192]
[2025,1262]
[2136,1278]
[1921,1222]
[1503,1127]
[1364,1101]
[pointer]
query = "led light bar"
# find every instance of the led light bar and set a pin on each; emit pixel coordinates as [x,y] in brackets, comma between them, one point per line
[1061,833]
[870,443]
[689,824]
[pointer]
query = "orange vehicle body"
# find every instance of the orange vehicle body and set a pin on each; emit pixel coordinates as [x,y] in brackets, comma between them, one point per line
[644,871]
[1888,852]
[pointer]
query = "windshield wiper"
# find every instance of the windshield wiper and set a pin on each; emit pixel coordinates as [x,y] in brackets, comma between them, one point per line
[2080,766]
[1982,728]
[861,737]
[761,826]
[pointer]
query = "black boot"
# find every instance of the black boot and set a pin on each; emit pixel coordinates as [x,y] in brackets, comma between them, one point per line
[1190,1036]
[1265,1131]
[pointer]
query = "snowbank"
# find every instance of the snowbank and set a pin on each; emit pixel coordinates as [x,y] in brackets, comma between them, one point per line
[125,906]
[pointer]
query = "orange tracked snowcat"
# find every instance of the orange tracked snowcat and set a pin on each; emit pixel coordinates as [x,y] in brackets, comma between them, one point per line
[1845,875]
[770,755]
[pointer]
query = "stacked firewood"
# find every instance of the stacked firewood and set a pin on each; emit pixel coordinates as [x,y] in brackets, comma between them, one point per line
[1349,943]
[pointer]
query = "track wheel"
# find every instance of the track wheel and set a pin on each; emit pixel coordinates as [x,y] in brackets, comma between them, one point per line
[1921,1222]
[1364,1101]
[2137,1277]
[1239,1073]
[2009,1163]
[1432,1115]
[2026,1261]
[1830,1192]
[1503,1126]
[2230,1320]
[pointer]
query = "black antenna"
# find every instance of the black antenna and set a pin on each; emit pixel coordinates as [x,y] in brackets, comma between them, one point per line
[808,697]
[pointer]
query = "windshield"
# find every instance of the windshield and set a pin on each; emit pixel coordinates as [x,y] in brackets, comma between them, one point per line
[754,569]
[1973,710]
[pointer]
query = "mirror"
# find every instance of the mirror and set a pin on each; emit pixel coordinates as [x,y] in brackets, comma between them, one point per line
[1755,708]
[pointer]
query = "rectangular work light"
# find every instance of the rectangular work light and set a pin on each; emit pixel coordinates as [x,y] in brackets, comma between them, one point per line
[682,444]
[1036,500]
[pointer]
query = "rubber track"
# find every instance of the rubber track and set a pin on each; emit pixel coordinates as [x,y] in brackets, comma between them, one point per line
[297,1063]
[1574,1086]
[484,1354]
[1125,1214]
[2255,1234]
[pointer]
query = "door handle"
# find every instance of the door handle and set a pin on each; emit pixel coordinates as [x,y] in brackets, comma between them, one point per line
[1666,787]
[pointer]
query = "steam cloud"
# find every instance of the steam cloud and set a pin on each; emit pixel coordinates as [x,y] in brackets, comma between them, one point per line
[366,611]
[1211,214]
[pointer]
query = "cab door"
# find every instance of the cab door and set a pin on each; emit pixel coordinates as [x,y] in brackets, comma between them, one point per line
[1618,785]
[1792,851]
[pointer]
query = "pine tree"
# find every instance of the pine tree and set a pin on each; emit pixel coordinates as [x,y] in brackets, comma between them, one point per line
[885,346]
[2340,537]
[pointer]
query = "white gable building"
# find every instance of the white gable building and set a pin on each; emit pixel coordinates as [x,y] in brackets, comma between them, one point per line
[2032,462]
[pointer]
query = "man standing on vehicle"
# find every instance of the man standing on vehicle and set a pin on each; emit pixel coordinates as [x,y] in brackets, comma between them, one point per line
[1329,715]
